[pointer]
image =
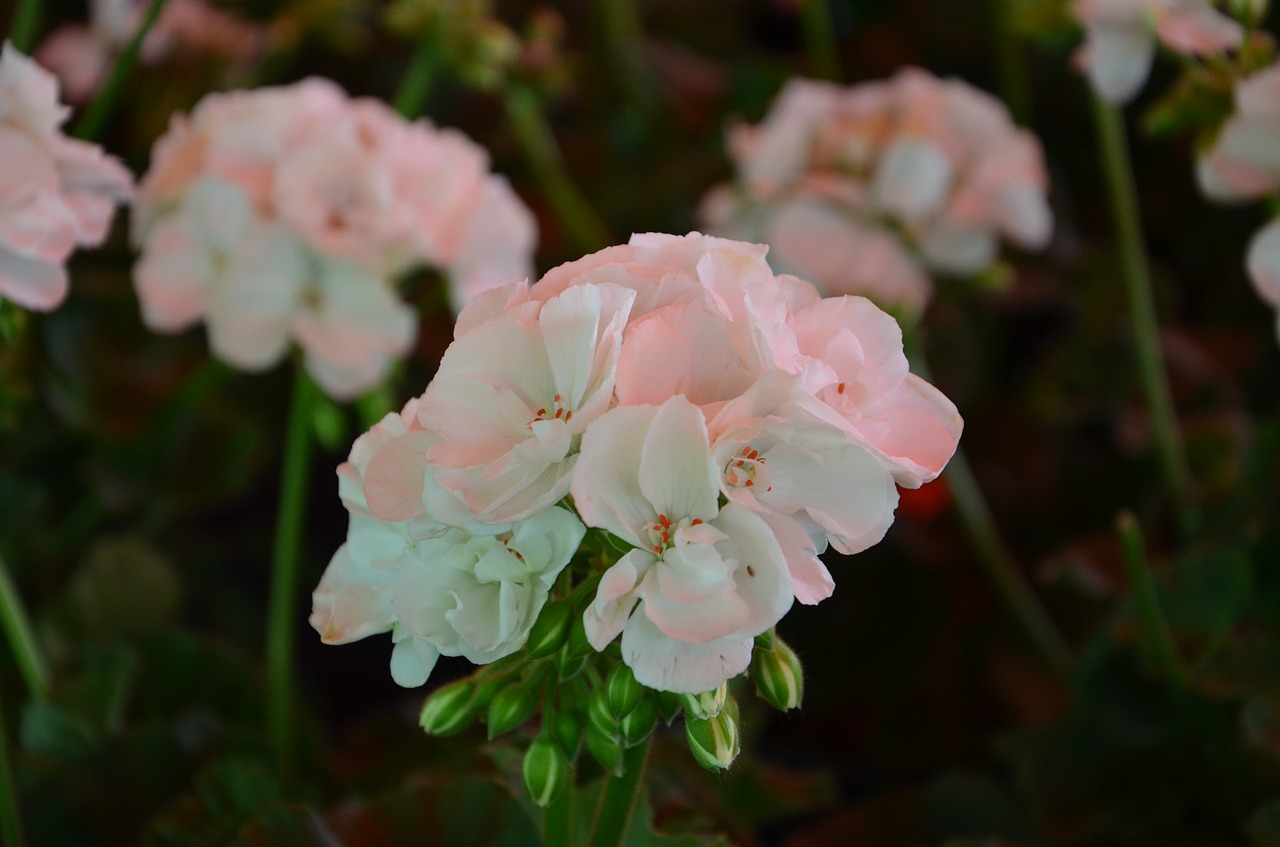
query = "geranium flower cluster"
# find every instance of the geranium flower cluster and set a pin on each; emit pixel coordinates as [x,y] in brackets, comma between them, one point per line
[1242,164]
[56,193]
[714,427]
[1121,35]
[289,213]
[872,189]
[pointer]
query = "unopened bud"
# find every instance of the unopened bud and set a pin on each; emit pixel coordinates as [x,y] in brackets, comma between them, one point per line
[708,704]
[546,770]
[550,631]
[713,741]
[669,705]
[511,707]
[600,717]
[1249,11]
[779,676]
[605,748]
[568,730]
[448,709]
[568,664]
[636,725]
[578,644]
[623,691]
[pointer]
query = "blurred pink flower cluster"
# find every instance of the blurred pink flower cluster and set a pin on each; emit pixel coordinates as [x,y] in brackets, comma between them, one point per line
[720,423]
[56,193]
[872,189]
[81,55]
[1120,39]
[1244,164]
[289,213]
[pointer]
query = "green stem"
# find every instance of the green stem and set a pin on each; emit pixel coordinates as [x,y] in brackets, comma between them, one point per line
[1011,61]
[10,813]
[619,799]
[540,147]
[623,33]
[1113,146]
[17,628]
[411,97]
[820,40]
[557,818]
[282,614]
[91,121]
[22,29]
[994,556]
[1155,629]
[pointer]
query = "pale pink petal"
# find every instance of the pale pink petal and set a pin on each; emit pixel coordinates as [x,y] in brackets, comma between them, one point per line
[1263,262]
[676,474]
[664,663]
[913,178]
[31,283]
[396,477]
[1117,59]
[1199,30]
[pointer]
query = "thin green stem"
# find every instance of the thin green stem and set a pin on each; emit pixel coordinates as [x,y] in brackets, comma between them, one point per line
[1114,149]
[1011,61]
[996,560]
[10,813]
[282,614]
[17,629]
[820,40]
[1155,629]
[22,29]
[411,97]
[91,121]
[557,818]
[624,33]
[530,126]
[619,799]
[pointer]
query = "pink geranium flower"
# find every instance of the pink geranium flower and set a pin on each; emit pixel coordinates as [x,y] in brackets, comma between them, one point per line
[56,193]
[1120,39]
[322,203]
[871,189]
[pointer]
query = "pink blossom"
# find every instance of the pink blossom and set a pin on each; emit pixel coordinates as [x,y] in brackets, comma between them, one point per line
[81,55]
[703,581]
[869,189]
[337,198]
[1120,38]
[56,193]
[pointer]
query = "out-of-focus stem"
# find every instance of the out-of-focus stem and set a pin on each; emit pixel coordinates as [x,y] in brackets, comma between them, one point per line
[820,40]
[530,126]
[619,799]
[91,121]
[624,32]
[22,29]
[416,83]
[1011,61]
[1155,629]
[10,815]
[1113,147]
[17,630]
[282,613]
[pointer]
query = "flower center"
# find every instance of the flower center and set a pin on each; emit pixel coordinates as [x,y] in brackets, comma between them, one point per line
[748,469]
[556,412]
[661,535]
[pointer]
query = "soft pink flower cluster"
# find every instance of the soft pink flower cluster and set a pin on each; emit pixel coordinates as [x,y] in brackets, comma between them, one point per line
[1120,39]
[81,55]
[1244,164]
[288,213]
[870,189]
[56,193]
[721,423]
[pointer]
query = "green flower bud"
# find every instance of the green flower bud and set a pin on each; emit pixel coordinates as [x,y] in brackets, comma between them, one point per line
[599,716]
[568,664]
[779,676]
[448,709]
[511,707]
[669,705]
[622,690]
[546,770]
[764,641]
[550,630]
[606,749]
[578,644]
[636,725]
[708,704]
[714,741]
[568,729]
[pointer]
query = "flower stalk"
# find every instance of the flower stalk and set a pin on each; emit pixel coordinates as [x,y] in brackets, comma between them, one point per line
[282,612]
[1113,147]
[619,799]
[1156,637]
[820,40]
[415,86]
[25,23]
[91,121]
[17,629]
[530,126]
